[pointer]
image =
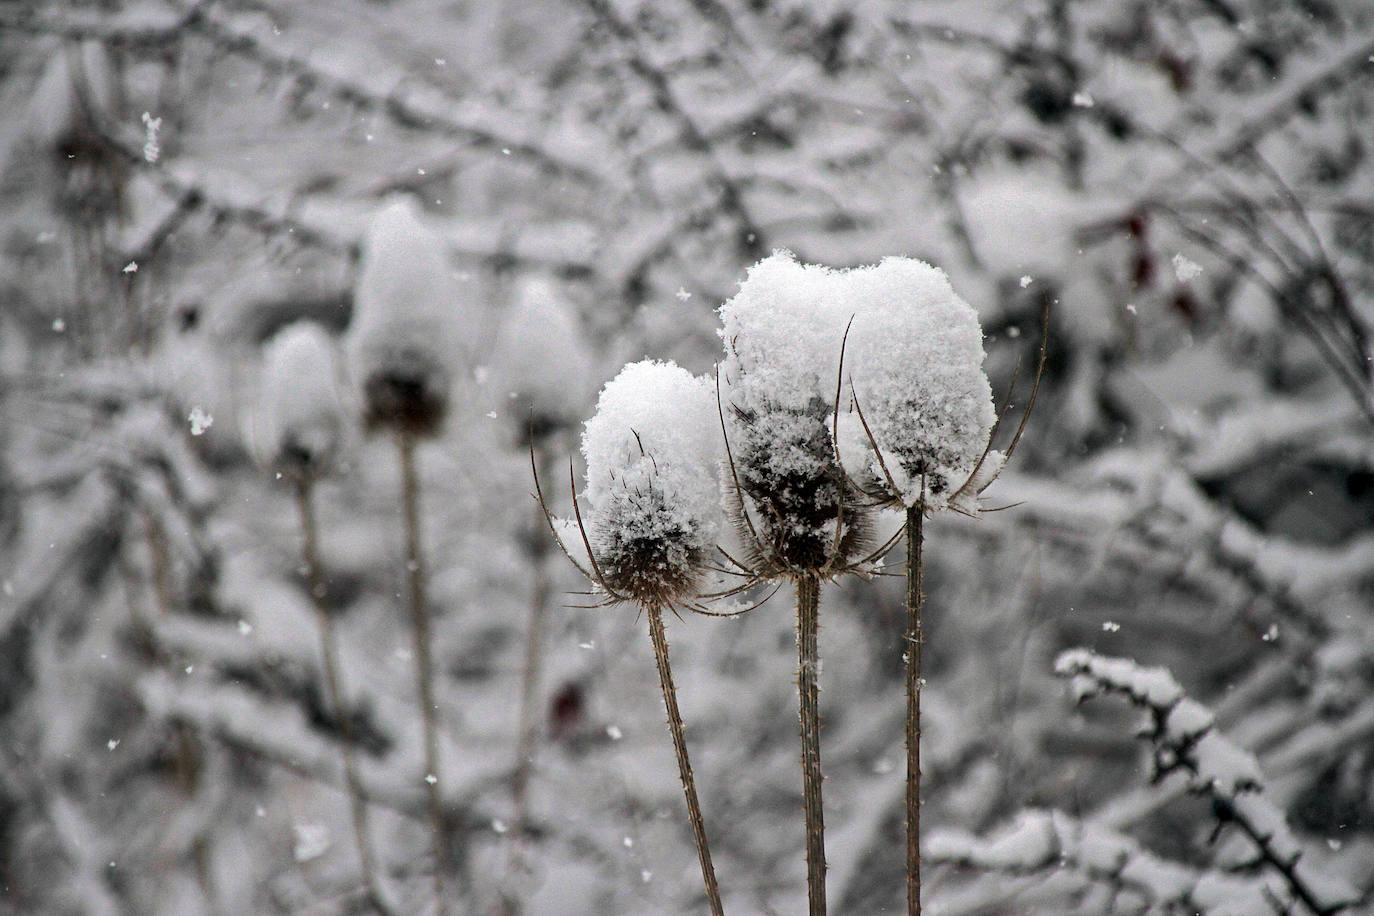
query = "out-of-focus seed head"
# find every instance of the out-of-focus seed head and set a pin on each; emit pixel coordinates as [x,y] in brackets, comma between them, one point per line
[402,341]
[298,423]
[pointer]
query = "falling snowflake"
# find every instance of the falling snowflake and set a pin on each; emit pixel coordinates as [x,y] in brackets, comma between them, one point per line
[1185,269]
[682,294]
[200,421]
[312,841]
[1025,281]
[152,148]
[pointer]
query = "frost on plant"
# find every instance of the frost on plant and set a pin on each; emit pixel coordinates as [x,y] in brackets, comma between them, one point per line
[299,422]
[913,369]
[782,334]
[402,336]
[653,497]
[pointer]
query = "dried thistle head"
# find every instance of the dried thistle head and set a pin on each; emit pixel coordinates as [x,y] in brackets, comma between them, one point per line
[403,336]
[793,506]
[406,391]
[920,412]
[541,364]
[918,421]
[652,491]
[298,425]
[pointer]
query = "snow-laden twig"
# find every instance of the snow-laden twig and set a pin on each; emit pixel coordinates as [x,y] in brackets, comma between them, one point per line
[1184,739]
[1039,841]
[729,196]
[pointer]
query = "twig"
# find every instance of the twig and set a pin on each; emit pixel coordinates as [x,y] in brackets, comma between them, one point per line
[329,651]
[684,764]
[529,692]
[1185,738]
[914,637]
[808,692]
[424,665]
[729,195]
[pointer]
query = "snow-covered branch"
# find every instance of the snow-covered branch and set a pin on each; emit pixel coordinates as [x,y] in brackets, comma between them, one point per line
[1040,841]
[1183,738]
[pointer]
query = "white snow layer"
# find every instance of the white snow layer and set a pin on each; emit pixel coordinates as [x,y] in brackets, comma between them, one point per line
[655,430]
[542,358]
[914,358]
[300,410]
[406,301]
[782,333]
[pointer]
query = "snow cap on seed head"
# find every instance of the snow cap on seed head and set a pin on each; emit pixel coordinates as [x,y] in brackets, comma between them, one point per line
[405,314]
[298,425]
[542,362]
[782,334]
[915,359]
[652,494]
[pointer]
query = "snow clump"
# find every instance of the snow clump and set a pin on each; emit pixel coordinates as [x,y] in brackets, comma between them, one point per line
[543,362]
[299,424]
[653,456]
[914,359]
[405,317]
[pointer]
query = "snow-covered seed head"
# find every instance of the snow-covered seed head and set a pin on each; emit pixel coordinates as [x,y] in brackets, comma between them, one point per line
[653,494]
[914,359]
[542,363]
[299,422]
[402,338]
[782,332]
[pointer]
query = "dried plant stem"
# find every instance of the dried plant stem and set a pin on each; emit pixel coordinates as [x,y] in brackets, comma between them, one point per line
[529,694]
[808,693]
[329,652]
[914,637]
[424,666]
[684,765]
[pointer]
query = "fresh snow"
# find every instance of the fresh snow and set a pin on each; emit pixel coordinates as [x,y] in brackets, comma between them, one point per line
[914,359]
[653,453]
[300,408]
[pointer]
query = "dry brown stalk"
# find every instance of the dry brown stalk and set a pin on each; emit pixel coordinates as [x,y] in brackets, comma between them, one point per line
[684,764]
[424,665]
[329,653]
[808,691]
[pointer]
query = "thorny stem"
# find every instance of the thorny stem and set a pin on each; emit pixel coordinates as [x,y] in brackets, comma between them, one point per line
[529,693]
[914,638]
[419,616]
[684,765]
[808,692]
[329,651]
